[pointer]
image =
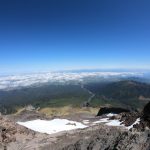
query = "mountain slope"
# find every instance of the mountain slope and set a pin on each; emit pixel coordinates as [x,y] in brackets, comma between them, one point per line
[49,95]
[127,93]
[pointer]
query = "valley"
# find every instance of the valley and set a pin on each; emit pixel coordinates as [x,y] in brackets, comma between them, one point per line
[92,92]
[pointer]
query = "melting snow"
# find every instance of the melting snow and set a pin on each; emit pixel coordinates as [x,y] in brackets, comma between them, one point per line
[58,125]
[114,123]
[136,122]
[110,115]
[104,120]
[86,121]
[108,122]
[52,126]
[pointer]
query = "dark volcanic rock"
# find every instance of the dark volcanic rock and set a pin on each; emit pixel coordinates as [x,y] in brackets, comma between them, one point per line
[145,119]
[114,110]
[146,112]
[104,138]
[129,118]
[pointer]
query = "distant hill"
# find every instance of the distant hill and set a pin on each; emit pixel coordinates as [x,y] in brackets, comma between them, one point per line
[128,93]
[49,95]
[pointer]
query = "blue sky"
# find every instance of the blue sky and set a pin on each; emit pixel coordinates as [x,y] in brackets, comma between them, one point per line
[45,35]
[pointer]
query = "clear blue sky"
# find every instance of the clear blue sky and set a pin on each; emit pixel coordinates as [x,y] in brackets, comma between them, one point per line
[41,35]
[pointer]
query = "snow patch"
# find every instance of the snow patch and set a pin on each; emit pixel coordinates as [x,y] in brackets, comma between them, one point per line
[59,125]
[52,126]
[86,121]
[136,122]
[104,120]
[111,115]
[114,123]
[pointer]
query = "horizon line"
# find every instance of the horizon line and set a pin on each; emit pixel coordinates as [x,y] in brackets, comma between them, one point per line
[80,70]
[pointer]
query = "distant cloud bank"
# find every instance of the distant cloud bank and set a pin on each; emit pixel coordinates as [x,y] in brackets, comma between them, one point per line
[15,81]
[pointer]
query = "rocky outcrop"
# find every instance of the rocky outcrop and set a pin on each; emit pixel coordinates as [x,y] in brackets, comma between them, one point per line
[128,118]
[10,132]
[146,112]
[145,119]
[104,138]
[115,138]
[114,110]
[96,137]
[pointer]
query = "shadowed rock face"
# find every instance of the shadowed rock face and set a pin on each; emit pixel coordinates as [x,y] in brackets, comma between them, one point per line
[114,110]
[146,112]
[145,119]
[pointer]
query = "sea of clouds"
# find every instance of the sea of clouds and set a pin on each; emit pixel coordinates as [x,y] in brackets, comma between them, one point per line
[23,80]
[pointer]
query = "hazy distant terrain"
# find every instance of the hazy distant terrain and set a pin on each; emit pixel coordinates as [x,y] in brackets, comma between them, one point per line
[9,82]
[125,93]
[74,89]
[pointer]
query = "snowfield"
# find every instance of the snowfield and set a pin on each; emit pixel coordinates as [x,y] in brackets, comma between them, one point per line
[118,123]
[52,126]
[59,125]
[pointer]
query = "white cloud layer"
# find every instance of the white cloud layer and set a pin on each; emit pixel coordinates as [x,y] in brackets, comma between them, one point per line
[14,81]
